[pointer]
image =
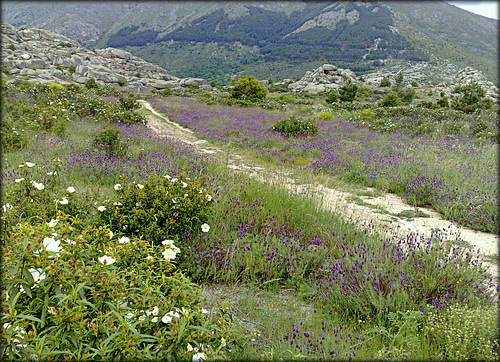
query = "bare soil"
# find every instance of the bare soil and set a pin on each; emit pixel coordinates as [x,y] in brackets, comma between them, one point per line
[387,213]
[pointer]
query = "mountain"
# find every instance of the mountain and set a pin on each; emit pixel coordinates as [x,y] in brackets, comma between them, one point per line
[273,39]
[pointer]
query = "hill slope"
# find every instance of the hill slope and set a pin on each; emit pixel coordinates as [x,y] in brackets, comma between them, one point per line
[215,40]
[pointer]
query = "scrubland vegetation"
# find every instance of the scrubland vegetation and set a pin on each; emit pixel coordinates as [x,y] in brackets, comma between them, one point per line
[120,244]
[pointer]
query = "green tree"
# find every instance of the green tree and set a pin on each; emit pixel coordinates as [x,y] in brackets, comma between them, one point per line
[385,82]
[406,94]
[391,100]
[471,97]
[332,97]
[399,79]
[249,88]
[347,93]
[91,83]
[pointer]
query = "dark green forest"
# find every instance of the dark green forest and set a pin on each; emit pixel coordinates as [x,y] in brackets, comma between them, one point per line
[270,32]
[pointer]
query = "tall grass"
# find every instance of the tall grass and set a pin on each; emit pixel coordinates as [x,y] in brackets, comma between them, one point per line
[301,281]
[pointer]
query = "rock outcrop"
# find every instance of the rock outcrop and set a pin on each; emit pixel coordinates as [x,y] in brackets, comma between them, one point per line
[469,75]
[41,56]
[323,79]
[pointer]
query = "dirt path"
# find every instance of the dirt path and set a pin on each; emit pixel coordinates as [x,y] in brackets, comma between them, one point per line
[389,213]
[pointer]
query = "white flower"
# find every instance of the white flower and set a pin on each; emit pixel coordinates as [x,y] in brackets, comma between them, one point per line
[71,189]
[139,186]
[205,228]
[38,186]
[118,187]
[110,234]
[101,208]
[154,312]
[175,249]
[168,177]
[53,222]
[117,203]
[19,179]
[64,201]
[149,257]
[186,195]
[37,274]
[6,207]
[189,347]
[209,197]
[154,319]
[199,357]
[174,179]
[204,311]
[129,315]
[167,318]
[52,244]
[169,254]
[184,185]
[167,242]
[174,200]
[30,164]
[123,240]
[106,260]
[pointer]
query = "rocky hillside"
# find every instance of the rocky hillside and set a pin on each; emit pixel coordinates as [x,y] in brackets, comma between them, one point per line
[41,56]
[275,40]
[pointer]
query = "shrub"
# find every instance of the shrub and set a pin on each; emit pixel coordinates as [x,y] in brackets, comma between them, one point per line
[56,86]
[6,71]
[456,329]
[286,98]
[325,115]
[92,295]
[428,105]
[295,127]
[166,92]
[73,88]
[130,103]
[471,97]
[391,100]
[11,139]
[332,97]
[129,118]
[385,82]
[406,94]
[443,102]
[108,139]
[121,83]
[11,47]
[91,83]
[249,88]
[347,93]
[160,208]
[72,69]
[414,84]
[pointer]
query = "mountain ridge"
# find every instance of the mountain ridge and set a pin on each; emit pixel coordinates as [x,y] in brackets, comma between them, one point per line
[217,40]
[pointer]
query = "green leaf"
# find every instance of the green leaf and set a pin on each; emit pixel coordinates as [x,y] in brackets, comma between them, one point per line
[14,270]
[31,318]
[181,330]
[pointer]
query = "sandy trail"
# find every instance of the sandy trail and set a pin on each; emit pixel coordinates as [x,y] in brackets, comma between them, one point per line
[362,213]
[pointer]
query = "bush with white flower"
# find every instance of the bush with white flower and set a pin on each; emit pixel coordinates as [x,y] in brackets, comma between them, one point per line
[82,292]
[41,194]
[158,208]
